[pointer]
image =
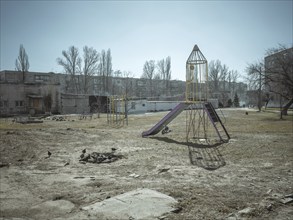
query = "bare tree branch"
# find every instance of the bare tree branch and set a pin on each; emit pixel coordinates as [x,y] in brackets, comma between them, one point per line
[149,73]
[214,74]
[105,69]
[168,68]
[72,66]
[276,75]
[161,69]
[90,59]
[22,63]
[149,70]
[164,71]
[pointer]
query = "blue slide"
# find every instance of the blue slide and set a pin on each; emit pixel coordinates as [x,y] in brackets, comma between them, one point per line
[166,120]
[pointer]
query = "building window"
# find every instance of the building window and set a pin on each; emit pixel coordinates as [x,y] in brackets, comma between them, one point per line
[3,104]
[41,78]
[140,83]
[18,103]
[132,105]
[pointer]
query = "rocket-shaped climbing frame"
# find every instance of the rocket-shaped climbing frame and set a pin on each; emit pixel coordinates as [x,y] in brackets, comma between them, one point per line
[196,95]
[196,76]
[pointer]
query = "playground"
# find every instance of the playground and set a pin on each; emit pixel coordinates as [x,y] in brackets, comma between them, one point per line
[248,177]
[192,162]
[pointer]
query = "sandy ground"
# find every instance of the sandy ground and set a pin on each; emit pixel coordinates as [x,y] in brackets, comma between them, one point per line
[250,177]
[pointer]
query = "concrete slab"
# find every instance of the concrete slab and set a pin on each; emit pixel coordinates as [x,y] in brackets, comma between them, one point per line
[136,204]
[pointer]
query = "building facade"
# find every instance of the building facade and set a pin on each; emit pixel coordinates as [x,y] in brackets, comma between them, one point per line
[279,77]
[31,92]
[39,92]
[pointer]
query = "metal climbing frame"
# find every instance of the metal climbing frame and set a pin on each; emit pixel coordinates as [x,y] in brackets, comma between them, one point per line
[200,113]
[196,94]
[196,76]
[116,114]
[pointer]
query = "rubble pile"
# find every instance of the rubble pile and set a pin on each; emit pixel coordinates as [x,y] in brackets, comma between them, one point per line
[96,157]
[58,118]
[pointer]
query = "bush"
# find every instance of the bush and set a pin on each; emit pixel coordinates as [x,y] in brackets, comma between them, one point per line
[236,100]
[229,103]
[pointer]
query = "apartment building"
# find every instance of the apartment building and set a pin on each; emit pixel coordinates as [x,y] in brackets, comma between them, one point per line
[279,77]
[39,92]
[31,92]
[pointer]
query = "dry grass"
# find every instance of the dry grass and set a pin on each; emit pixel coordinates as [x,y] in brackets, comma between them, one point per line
[210,182]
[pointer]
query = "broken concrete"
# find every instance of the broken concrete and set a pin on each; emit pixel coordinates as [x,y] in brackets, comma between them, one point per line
[137,204]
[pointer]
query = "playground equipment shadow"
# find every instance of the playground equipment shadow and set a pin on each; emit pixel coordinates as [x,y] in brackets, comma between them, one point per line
[209,158]
[204,155]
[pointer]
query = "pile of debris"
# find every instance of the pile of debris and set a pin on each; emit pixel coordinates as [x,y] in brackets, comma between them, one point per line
[95,157]
[58,118]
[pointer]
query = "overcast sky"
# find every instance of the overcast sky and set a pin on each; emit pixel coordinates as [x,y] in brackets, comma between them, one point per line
[235,32]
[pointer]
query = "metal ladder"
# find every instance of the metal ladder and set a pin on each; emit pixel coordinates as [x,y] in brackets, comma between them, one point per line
[216,121]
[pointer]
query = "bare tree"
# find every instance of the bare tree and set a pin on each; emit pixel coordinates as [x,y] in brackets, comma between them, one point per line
[149,70]
[168,68]
[157,76]
[164,72]
[275,75]
[127,86]
[168,72]
[117,73]
[22,63]
[233,76]
[108,68]
[219,75]
[101,69]
[223,75]
[161,69]
[149,73]
[127,82]
[105,69]
[160,75]
[156,85]
[214,75]
[91,59]
[279,74]
[72,66]
[256,80]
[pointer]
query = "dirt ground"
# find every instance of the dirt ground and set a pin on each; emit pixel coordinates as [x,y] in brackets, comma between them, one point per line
[250,177]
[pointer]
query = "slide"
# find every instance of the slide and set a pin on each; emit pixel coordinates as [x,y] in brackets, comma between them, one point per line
[166,120]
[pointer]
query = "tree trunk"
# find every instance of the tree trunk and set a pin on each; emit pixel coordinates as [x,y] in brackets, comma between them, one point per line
[23,77]
[259,104]
[286,107]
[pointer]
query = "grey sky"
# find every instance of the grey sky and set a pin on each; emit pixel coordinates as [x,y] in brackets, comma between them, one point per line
[235,32]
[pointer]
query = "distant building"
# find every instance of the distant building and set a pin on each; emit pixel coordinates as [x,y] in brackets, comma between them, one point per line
[227,90]
[39,93]
[279,69]
[35,93]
